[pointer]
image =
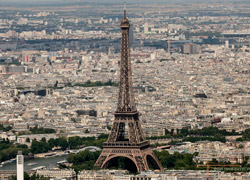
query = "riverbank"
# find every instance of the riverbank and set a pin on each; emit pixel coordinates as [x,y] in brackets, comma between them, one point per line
[36,162]
[50,154]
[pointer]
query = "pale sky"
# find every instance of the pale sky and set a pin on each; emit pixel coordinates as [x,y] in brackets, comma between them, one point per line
[114,1]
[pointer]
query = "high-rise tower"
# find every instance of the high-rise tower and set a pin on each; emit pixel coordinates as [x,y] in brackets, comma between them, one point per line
[19,166]
[126,138]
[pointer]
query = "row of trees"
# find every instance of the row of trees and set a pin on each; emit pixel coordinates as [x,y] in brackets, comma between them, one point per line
[8,150]
[87,84]
[176,160]
[83,160]
[42,130]
[96,84]
[211,131]
[245,135]
[205,138]
[64,143]
[207,133]
[38,130]
[5,129]
[32,177]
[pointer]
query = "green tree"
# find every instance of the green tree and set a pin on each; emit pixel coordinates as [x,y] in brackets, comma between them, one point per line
[43,139]
[27,139]
[42,130]
[86,131]
[184,131]
[196,154]
[177,160]
[39,147]
[62,142]
[241,146]
[213,162]
[103,136]
[5,129]
[83,160]
[246,135]
[74,142]
[239,139]
[52,142]
[167,132]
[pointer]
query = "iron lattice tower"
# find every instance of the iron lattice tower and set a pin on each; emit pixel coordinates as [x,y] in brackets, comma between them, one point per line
[126,138]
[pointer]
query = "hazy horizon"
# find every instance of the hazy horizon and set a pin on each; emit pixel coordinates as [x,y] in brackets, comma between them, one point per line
[13,2]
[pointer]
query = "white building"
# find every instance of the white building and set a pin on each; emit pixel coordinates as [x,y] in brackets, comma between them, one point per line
[19,166]
[57,173]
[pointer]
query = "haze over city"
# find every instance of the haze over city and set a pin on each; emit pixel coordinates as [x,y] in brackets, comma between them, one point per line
[104,90]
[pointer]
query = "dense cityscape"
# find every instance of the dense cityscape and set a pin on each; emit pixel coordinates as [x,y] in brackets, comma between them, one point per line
[60,78]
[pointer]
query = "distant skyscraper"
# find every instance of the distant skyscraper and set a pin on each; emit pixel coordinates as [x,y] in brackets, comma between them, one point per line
[19,166]
[169,47]
[226,44]
[146,28]
[131,35]
[191,48]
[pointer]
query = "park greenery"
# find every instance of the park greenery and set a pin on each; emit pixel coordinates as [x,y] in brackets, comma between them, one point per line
[87,84]
[63,143]
[246,135]
[38,130]
[5,129]
[32,177]
[206,133]
[9,150]
[206,138]
[42,130]
[84,160]
[96,84]
[176,160]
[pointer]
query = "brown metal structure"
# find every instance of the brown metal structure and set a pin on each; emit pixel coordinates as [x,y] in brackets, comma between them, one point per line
[126,138]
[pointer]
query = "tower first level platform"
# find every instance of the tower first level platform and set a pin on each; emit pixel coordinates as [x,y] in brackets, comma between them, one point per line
[140,154]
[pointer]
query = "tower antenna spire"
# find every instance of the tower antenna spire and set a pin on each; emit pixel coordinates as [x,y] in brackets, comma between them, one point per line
[124,9]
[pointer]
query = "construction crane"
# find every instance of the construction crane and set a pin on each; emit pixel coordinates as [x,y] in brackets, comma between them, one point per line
[212,165]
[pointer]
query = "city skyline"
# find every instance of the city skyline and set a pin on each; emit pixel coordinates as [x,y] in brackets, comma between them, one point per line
[60,79]
[116,2]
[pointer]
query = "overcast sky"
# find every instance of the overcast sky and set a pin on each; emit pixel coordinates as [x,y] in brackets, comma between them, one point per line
[54,3]
[109,1]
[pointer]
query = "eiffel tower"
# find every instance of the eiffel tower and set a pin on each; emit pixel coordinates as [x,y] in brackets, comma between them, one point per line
[126,138]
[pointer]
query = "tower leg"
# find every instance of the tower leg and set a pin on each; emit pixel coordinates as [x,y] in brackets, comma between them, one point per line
[155,162]
[138,156]
[141,163]
[100,160]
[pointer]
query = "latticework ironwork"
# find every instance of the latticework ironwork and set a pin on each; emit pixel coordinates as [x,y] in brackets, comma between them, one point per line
[126,138]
